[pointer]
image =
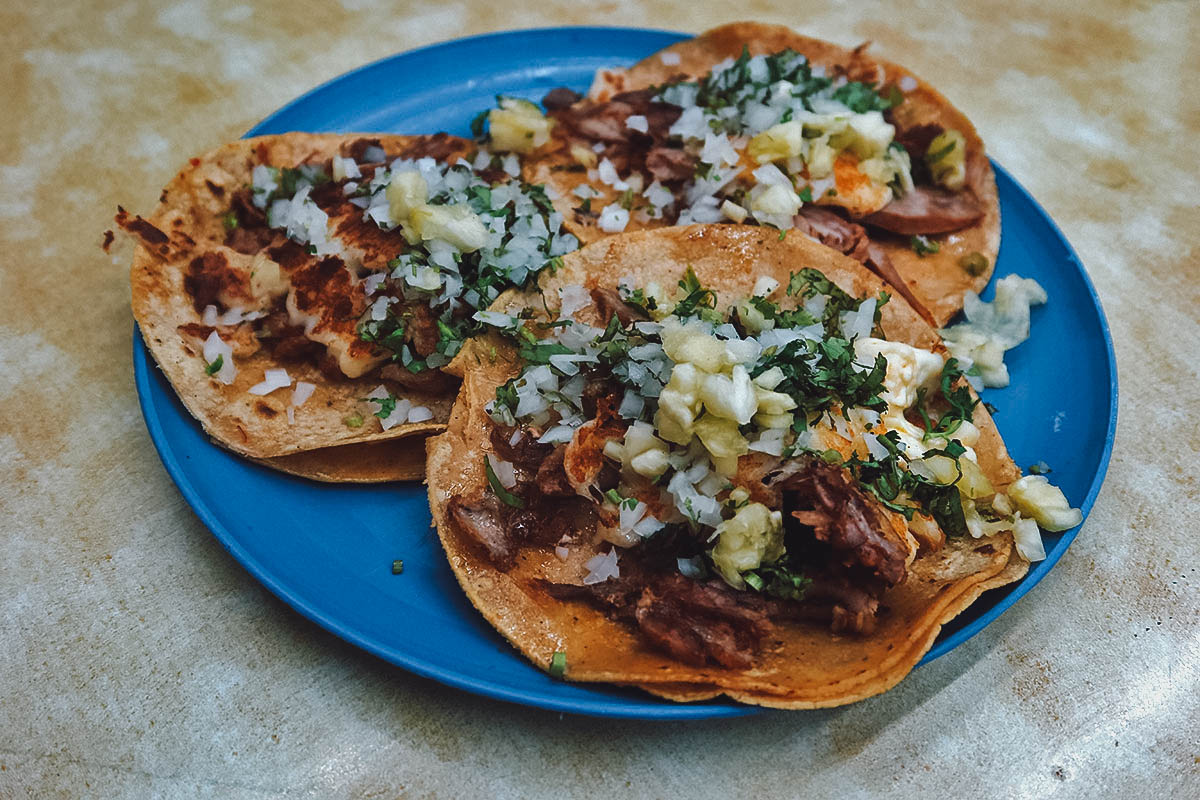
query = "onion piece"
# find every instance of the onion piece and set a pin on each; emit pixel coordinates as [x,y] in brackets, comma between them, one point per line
[272,379]
[602,567]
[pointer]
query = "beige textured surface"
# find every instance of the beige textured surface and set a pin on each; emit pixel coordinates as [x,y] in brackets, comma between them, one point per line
[137,659]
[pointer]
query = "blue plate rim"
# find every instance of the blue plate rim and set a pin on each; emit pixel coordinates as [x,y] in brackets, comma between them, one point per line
[605,706]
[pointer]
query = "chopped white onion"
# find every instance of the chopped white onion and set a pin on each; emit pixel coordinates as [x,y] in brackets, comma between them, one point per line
[419,414]
[272,379]
[215,347]
[602,567]
[613,219]
[573,298]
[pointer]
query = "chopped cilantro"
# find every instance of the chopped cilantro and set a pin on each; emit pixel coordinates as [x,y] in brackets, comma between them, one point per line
[806,194]
[923,245]
[697,300]
[386,405]
[397,567]
[215,366]
[230,221]
[862,97]
[778,580]
[558,664]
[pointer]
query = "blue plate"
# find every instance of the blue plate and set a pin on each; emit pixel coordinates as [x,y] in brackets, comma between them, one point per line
[327,550]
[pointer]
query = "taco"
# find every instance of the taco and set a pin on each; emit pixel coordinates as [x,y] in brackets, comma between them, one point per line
[756,123]
[768,483]
[302,292]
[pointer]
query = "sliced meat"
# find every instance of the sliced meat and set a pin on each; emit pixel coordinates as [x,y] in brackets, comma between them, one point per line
[701,623]
[833,231]
[482,522]
[669,164]
[609,304]
[849,238]
[605,122]
[560,98]
[925,210]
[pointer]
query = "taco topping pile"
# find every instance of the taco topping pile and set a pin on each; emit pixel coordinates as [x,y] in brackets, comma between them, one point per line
[778,460]
[363,266]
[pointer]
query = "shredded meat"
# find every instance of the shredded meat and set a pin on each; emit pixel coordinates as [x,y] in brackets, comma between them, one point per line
[527,453]
[850,523]
[697,623]
[248,215]
[551,476]
[850,607]
[422,330]
[916,139]
[670,163]
[358,149]
[926,210]
[540,523]
[609,304]
[605,122]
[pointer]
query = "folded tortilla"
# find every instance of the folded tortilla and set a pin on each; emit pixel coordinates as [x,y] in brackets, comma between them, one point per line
[937,281]
[801,665]
[306,439]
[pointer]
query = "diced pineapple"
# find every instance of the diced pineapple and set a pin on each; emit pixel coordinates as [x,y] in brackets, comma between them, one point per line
[779,142]
[947,159]
[751,538]
[518,126]
[1036,497]
[405,192]
[458,225]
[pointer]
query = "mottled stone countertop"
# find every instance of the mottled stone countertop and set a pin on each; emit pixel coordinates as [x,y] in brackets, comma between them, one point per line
[137,659]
